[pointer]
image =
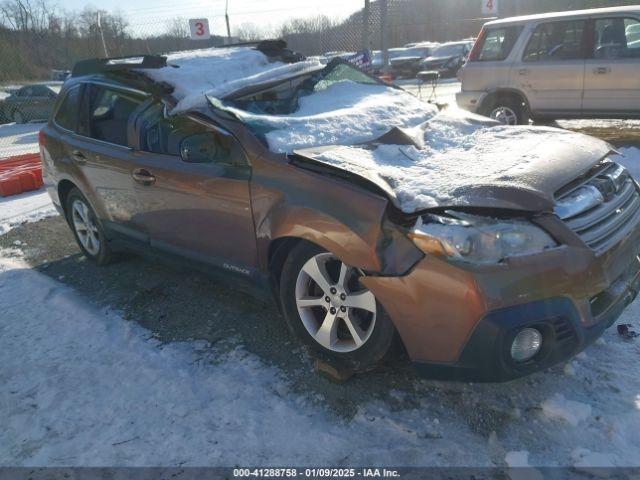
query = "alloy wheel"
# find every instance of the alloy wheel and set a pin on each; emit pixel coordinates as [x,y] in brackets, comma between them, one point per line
[504,115]
[334,308]
[85,227]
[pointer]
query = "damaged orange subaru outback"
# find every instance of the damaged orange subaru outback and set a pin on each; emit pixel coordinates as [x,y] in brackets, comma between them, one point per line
[490,252]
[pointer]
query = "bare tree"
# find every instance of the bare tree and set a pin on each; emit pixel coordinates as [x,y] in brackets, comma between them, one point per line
[249,32]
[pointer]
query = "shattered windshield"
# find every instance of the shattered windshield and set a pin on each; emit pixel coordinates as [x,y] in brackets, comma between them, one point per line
[284,97]
[338,105]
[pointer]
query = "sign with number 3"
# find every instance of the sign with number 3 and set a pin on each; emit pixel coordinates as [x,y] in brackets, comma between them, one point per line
[490,7]
[199,28]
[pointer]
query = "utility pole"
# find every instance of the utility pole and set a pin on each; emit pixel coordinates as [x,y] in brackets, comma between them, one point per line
[384,36]
[226,18]
[104,44]
[366,44]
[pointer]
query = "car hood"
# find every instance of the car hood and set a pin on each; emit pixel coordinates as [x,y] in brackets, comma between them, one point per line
[467,161]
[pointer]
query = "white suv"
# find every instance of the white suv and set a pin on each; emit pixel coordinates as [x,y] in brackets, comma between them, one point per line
[556,65]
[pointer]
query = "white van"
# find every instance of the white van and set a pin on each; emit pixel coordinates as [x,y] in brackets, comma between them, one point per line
[577,64]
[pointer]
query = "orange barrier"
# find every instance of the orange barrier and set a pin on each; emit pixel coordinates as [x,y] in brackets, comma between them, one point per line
[19,174]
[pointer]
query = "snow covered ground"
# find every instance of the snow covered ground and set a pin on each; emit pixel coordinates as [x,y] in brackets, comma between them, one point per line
[18,138]
[26,207]
[80,385]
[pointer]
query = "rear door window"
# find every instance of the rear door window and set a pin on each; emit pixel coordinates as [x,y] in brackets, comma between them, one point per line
[67,114]
[556,42]
[616,38]
[109,112]
[498,43]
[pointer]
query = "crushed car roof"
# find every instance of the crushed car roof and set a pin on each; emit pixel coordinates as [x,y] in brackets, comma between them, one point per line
[220,71]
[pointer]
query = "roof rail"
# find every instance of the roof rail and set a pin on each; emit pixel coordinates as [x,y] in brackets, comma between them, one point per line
[270,44]
[100,65]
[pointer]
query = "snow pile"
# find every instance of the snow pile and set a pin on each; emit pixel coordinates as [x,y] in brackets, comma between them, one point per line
[455,150]
[344,113]
[559,408]
[26,207]
[220,71]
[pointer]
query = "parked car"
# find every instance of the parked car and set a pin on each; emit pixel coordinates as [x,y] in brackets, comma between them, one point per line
[448,58]
[377,58]
[31,102]
[556,65]
[408,63]
[488,252]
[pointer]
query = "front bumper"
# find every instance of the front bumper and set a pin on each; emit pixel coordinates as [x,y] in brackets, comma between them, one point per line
[470,101]
[458,323]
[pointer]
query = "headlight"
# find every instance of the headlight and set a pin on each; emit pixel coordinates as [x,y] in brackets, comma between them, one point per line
[479,239]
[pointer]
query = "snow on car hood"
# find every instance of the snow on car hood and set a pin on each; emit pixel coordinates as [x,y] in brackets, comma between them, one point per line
[444,159]
[459,159]
[220,71]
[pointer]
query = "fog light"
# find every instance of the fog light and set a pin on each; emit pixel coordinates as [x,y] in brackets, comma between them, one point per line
[526,345]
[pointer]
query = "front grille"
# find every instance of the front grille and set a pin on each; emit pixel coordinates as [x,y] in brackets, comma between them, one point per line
[608,209]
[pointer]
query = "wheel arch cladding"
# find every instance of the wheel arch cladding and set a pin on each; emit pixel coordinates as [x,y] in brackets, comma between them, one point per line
[64,187]
[491,99]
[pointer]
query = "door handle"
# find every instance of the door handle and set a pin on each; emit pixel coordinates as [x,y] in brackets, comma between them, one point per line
[143,176]
[523,71]
[79,157]
[601,70]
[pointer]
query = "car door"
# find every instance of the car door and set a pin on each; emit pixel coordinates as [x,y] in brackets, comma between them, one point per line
[612,79]
[101,151]
[193,190]
[551,70]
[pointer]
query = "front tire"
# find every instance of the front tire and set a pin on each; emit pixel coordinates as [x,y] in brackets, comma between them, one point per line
[329,311]
[87,229]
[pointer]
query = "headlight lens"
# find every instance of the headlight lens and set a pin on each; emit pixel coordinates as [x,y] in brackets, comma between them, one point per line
[479,239]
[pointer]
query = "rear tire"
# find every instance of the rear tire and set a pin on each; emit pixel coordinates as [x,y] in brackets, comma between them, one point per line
[330,312]
[87,229]
[508,111]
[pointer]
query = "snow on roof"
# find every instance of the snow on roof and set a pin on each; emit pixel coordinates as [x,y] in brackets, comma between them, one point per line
[220,71]
[344,113]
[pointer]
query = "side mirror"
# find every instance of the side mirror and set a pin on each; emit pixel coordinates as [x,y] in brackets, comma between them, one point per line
[202,148]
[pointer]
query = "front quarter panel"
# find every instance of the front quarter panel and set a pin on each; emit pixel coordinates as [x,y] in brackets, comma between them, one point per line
[291,202]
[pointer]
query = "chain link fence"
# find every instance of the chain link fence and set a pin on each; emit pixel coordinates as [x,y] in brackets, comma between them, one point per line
[39,44]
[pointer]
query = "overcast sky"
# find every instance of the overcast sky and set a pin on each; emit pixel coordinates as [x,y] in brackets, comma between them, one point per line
[264,13]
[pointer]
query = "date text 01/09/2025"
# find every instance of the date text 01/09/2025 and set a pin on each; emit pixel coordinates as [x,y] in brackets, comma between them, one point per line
[315,473]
